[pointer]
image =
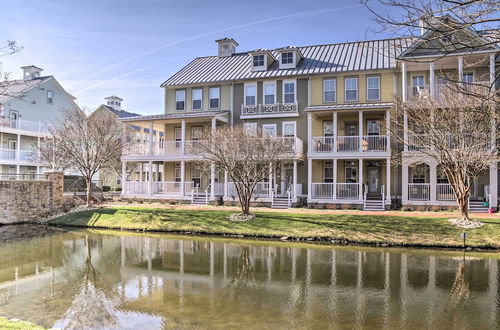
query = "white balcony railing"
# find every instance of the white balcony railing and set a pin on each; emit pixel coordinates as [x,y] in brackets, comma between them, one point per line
[169,188]
[419,191]
[369,143]
[162,148]
[268,109]
[341,190]
[261,190]
[25,125]
[444,192]
[19,155]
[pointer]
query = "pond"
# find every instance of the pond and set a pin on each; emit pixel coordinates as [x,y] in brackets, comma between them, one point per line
[76,279]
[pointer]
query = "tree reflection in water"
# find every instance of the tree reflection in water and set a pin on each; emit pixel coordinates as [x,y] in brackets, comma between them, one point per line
[244,269]
[91,308]
[460,291]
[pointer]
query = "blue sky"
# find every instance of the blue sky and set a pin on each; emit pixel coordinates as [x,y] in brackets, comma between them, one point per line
[128,48]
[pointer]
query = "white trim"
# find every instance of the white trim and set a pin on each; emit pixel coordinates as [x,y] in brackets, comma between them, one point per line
[260,67]
[335,90]
[245,86]
[357,88]
[192,98]
[274,126]
[178,91]
[379,88]
[219,98]
[287,81]
[294,127]
[269,83]
[271,115]
[288,65]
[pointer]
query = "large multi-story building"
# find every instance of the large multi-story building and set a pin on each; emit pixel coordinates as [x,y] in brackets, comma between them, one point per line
[27,107]
[333,102]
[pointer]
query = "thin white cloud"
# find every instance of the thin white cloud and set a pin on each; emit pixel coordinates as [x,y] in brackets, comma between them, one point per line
[205,34]
[109,80]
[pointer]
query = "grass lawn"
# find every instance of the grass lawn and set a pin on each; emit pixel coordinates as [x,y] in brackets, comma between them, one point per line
[18,325]
[393,230]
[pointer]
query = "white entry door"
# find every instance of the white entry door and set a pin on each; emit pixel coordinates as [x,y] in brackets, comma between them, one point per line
[373,179]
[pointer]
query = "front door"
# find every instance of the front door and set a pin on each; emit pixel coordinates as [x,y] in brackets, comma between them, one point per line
[373,175]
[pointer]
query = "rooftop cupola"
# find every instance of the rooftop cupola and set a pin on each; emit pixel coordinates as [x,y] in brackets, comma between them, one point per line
[227,46]
[31,72]
[115,102]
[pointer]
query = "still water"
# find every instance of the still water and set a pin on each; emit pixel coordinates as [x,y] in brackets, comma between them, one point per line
[84,279]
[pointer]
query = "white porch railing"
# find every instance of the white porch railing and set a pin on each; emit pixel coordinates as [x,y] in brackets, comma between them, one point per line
[417,142]
[162,148]
[21,155]
[325,190]
[25,125]
[266,109]
[419,191]
[219,189]
[170,188]
[261,190]
[370,143]
[444,192]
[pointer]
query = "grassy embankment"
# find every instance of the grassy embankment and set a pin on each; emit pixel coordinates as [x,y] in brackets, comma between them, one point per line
[354,228]
[17,325]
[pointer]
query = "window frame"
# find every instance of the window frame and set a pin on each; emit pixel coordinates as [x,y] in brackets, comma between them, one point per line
[210,97]
[357,88]
[291,122]
[350,167]
[334,79]
[193,99]
[418,75]
[378,88]
[183,91]
[471,73]
[251,127]
[274,126]
[287,81]
[247,85]
[50,100]
[264,61]
[269,83]
[292,58]
[328,164]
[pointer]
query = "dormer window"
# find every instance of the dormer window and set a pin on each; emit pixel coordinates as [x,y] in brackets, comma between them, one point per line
[258,61]
[287,58]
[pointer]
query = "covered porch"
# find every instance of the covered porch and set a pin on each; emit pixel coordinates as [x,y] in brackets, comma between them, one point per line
[349,181]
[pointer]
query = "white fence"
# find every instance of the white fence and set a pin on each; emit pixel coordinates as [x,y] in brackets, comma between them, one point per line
[444,192]
[419,191]
[325,190]
[261,190]
[349,143]
[265,109]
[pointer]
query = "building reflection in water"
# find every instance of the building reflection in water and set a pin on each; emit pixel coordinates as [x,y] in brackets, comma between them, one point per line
[135,280]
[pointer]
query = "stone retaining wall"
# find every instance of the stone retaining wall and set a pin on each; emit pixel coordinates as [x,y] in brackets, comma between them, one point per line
[30,200]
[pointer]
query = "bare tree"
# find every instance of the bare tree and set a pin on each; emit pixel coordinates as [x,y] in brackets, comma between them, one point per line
[85,143]
[244,155]
[458,132]
[441,27]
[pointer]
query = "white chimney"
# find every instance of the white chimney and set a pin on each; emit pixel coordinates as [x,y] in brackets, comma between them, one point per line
[31,72]
[115,102]
[227,46]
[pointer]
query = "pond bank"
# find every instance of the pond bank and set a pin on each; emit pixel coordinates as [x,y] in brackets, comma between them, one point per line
[18,325]
[353,228]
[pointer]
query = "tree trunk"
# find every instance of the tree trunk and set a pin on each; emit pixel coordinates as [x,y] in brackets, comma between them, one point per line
[89,190]
[463,207]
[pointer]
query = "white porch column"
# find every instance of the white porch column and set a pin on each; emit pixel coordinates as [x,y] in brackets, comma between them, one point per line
[388,128]
[309,178]
[360,127]
[388,181]
[270,181]
[432,79]
[142,172]
[294,190]
[183,176]
[225,184]
[334,131]
[18,148]
[183,136]
[214,124]
[212,181]
[309,131]
[403,81]
[433,181]
[334,178]
[150,178]
[360,170]
[405,131]
[494,185]
[404,183]
[124,175]
[461,68]
[492,72]
[151,138]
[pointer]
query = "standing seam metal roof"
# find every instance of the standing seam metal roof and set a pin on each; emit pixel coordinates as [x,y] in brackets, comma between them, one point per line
[342,57]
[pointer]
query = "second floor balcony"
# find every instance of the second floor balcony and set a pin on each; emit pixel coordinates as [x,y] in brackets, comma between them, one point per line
[13,124]
[269,110]
[366,143]
[17,156]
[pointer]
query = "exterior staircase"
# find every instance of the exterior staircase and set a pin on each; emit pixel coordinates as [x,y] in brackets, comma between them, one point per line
[478,207]
[280,203]
[374,204]
[200,199]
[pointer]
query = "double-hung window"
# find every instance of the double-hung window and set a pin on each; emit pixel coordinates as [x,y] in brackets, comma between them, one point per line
[351,89]
[214,95]
[330,90]
[287,58]
[197,96]
[250,94]
[50,97]
[288,91]
[180,99]
[251,128]
[177,174]
[373,88]
[269,93]
[468,77]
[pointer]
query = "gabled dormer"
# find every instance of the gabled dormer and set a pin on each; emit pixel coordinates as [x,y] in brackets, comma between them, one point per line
[262,59]
[289,57]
